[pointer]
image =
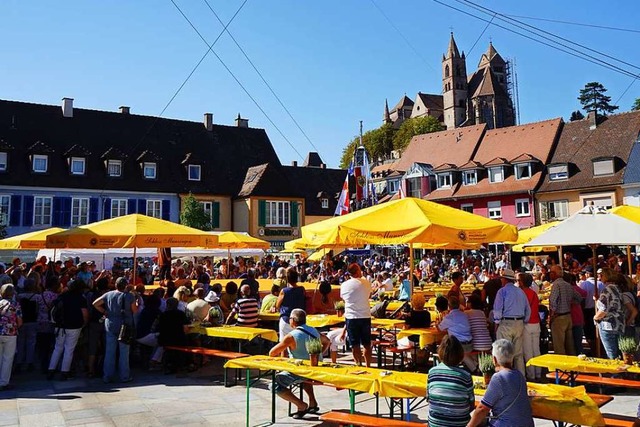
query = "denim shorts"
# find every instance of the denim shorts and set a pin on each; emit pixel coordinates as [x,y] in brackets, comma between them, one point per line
[359,332]
[285,379]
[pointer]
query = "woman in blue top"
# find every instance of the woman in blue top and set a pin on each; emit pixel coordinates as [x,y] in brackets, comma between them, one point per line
[290,298]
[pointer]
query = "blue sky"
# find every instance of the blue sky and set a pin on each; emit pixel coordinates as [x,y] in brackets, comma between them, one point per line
[332,63]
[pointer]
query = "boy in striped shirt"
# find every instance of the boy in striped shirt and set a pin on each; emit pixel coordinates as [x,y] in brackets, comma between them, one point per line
[246,309]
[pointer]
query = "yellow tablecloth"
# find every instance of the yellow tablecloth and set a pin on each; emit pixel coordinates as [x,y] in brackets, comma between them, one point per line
[236,332]
[269,317]
[588,366]
[392,306]
[387,323]
[427,335]
[323,320]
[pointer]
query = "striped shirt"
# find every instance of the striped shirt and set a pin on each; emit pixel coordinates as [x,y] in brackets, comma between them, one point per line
[450,394]
[479,330]
[247,312]
[562,295]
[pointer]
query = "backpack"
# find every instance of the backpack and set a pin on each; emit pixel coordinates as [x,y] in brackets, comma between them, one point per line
[379,311]
[29,309]
[56,313]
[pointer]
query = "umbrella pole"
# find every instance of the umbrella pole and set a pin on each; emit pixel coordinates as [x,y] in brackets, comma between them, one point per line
[560,261]
[135,266]
[630,271]
[595,277]
[228,262]
[54,255]
[410,270]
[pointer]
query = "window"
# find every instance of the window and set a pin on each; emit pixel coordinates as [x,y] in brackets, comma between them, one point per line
[414,187]
[5,202]
[522,207]
[149,170]
[118,207]
[194,172]
[470,177]
[467,207]
[42,210]
[603,202]
[40,163]
[79,212]
[3,161]
[557,209]
[444,180]
[496,174]
[523,171]
[495,210]
[114,167]
[208,209]
[558,172]
[77,166]
[278,214]
[393,186]
[154,208]
[603,167]
[325,203]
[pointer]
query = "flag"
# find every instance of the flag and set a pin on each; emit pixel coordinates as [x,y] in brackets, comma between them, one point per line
[366,173]
[350,171]
[343,200]
[374,195]
[401,193]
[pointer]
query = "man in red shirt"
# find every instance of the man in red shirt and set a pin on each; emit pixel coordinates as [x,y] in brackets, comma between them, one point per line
[531,344]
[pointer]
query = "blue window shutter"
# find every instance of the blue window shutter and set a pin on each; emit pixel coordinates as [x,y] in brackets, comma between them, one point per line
[65,212]
[106,209]
[166,210]
[215,215]
[56,208]
[93,209]
[262,213]
[132,204]
[142,206]
[14,214]
[27,211]
[293,211]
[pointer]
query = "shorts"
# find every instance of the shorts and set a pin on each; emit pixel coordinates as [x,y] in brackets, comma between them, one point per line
[283,328]
[359,332]
[285,379]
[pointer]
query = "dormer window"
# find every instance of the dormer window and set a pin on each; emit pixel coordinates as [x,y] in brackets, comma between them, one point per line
[558,172]
[114,168]
[149,170]
[523,171]
[470,177]
[496,174]
[40,163]
[77,165]
[444,180]
[3,161]
[603,167]
[325,203]
[194,172]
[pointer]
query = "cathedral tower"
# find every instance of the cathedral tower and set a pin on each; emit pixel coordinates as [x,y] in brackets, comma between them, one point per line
[454,86]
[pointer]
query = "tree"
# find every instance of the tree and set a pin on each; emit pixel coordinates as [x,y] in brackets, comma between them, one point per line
[412,127]
[593,98]
[636,105]
[193,214]
[378,142]
[576,115]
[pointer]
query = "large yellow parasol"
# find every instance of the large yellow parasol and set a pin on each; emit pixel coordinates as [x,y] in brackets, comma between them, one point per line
[525,235]
[31,240]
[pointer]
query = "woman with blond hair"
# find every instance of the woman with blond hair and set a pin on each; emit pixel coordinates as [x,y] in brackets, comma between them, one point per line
[418,317]
[610,313]
[182,295]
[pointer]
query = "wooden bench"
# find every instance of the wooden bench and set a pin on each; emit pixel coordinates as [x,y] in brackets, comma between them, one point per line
[223,354]
[601,381]
[345,419]
[612,420]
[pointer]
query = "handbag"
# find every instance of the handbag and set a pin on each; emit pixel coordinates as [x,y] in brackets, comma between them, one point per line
[126,334]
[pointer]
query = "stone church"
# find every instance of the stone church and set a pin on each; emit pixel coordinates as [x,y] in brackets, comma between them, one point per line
[482,97]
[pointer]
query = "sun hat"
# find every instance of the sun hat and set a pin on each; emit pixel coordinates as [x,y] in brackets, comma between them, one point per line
[508,273]
[212,297]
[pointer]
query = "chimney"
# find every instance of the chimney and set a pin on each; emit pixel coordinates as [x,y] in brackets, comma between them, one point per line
[323,165]
[294,163]
[592,116]
[67,107]
[124,109]
[242,123]
[208,121]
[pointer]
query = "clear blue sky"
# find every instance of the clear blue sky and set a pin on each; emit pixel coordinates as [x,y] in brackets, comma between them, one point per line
[332,62]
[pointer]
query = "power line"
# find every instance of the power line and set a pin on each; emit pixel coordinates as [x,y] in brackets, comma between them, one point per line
[626,90]
[406,40]
[481,34]
[210,49]
[581,24]
[262,77]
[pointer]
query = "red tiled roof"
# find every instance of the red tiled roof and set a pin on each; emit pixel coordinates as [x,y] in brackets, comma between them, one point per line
[524,158]
[471,165]
[445,167]
[498,161]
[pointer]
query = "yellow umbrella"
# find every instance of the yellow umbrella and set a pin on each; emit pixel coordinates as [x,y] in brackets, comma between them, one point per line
[631,213]
[131,231]
[408,220]
[527,234]
[31,240]
[317,255]
[456,246]
[233,240]
[297,245]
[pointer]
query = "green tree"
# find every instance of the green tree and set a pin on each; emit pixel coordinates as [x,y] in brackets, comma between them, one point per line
[193,214]
[413,127]
[576,115]
[636,105]
[378,142]
[593,98]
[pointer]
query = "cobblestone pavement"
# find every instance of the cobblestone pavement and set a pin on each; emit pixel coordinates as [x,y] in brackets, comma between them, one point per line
[198,398]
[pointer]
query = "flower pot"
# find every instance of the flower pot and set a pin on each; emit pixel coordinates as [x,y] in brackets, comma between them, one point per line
[313,359]
[628,358]
[487,378]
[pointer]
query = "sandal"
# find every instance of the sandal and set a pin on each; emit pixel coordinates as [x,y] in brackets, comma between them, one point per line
[313,409]
[300,414]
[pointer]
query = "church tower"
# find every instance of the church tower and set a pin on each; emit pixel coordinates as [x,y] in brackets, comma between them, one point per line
[454,86]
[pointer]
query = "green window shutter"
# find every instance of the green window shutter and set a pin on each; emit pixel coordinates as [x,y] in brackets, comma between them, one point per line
[215,215]
[262,213]
[294,214]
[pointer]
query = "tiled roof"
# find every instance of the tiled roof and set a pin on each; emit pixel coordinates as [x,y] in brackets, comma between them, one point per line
[615,136]
[431,101]
[228,150]
[445,167]
[524,158]
[455,146]
[405,101]
[632,173]
[387,168]
[471,165]
[487,85]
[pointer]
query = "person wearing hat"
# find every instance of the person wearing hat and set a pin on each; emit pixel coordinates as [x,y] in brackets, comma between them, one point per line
[214,314]
[510,312]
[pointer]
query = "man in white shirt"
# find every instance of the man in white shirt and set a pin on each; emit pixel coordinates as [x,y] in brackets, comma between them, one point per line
[357,313]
